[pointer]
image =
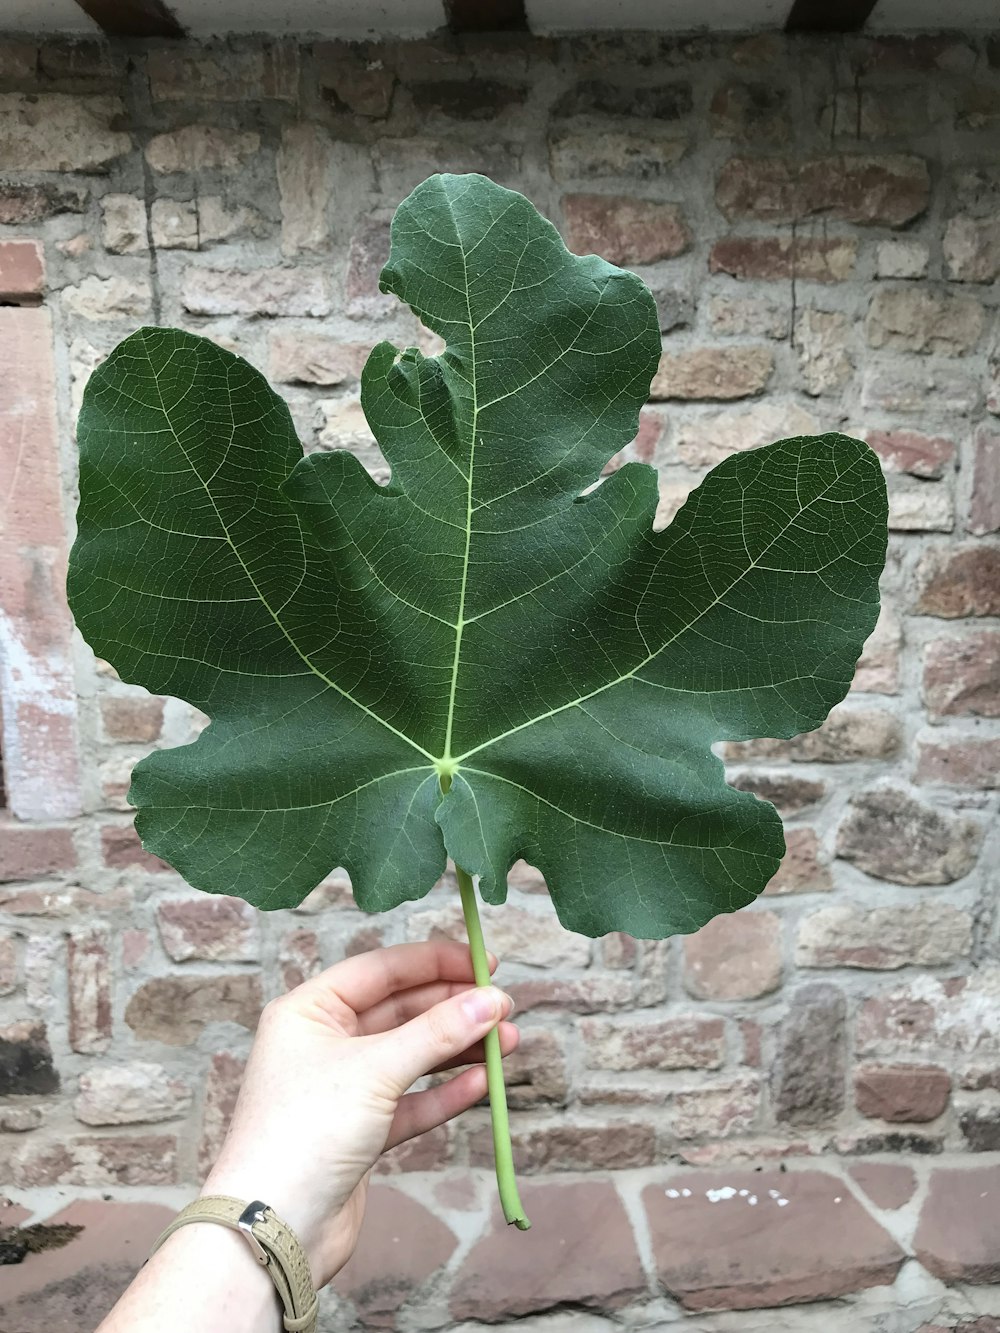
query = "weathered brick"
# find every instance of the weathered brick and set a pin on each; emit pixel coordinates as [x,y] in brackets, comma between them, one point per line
[515,935]
[962,762]
[315,358]
[900,258]
[119,297]
[261,291]
[305,183]
[21,204]
[22,272]
[669,1043]
[354,79]
[175,1010]
[921,508]
[713,372]
[28,852]
[980,1126]
[923,52]
[535,1074]
[909,389]
[366,257]
[962,675]
[123,224]
[749,316]
[959,581]
[846,935]
[787,792]
[217,929]
[130,1094]
[122,850]
[299,957]
[218,222]
[823,340]
[889,834]
[465,99]
[914,1093]
[174,224]
[624,230]
[929,1015]
[876,113]
[222,1087]
[910,451]
[984,505]
[59,132]
[89,979]
[715,1112]
[734,957]
[878,668]
[882,191]
[615,1145]
[801,869]
[809,1073]
[196,148]
[750,111]
[972,249]
[270,71]
[661,101]
[706,440]
[593,996]
[778,258]
[978,107]
[911,319]
[847,734]
[8,964]
[582,155]
[132,719]
[26,1060]
[95,1162]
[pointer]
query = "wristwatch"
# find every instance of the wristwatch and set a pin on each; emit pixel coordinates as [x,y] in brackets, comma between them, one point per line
[273,1244]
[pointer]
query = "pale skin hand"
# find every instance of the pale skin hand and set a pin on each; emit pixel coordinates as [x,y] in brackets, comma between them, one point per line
[324,1095]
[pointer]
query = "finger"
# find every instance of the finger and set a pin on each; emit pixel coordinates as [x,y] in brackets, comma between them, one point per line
[510,1037]
[438,1034]
[406,1004]
[418,1112]
[367,978]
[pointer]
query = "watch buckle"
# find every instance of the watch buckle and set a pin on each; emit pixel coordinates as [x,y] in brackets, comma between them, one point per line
[254,1212]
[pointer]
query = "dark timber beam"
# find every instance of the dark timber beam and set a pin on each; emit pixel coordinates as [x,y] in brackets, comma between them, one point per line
[132,18]
[829,15]
[486,15]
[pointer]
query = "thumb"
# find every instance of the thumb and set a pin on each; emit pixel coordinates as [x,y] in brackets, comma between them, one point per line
[441,1032]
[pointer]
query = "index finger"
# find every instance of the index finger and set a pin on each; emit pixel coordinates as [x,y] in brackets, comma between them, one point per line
[367,978]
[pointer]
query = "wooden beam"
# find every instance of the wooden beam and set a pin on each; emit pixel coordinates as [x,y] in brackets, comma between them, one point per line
[829,15]
[486,15]
[133,18]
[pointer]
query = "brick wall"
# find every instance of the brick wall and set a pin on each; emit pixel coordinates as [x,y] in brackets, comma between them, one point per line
[820,223]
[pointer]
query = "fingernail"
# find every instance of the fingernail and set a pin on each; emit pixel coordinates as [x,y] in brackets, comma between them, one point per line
[482,1004]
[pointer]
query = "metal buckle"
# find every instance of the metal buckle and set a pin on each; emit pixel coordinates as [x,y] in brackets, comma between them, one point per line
[254,1212]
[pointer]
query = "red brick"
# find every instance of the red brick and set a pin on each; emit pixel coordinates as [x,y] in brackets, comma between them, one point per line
[892,836]
[64,900]
[889,1185]
[901,1092]
[960,581]
[535,1074]
[216,929]
[29,852]
[132,720]
[606,1145]
[752,1240]
[596,1265]
[669,1043]
[122,849]
[959,762]
[22,272]
[175,1010]
[624,230]
[962,675]
[222,1087]
[883,191]
[781,258]
[38,692]
[927,456]
[89,971]
[801,870]
[984,506]
[734,957]
[959,1224]
[402,1244]
[299,957]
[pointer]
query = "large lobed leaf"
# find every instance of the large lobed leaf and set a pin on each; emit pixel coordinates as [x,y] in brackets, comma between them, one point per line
[480,625]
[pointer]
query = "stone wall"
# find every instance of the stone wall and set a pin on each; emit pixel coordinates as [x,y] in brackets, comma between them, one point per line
[820,223]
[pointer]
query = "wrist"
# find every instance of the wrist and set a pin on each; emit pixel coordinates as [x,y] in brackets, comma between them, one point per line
[247,1182]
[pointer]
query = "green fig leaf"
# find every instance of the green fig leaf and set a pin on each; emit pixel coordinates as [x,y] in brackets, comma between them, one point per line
[489,658]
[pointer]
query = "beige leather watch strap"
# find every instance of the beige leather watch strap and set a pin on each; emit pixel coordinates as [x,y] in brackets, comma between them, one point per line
[274,1245]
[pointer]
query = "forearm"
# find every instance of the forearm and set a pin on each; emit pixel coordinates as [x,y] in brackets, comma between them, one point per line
[202,1279]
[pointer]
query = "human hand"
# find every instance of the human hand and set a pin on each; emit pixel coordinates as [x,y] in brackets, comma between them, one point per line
[324,1093]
